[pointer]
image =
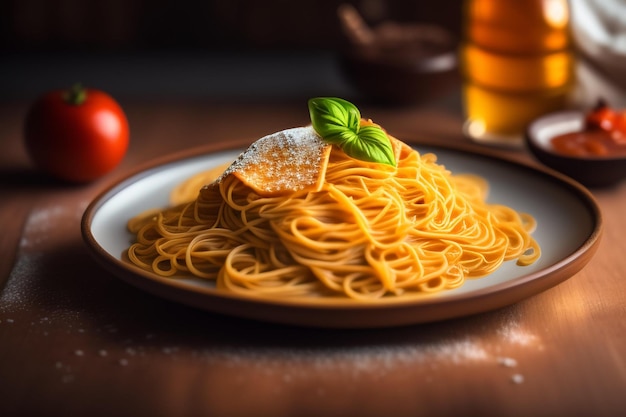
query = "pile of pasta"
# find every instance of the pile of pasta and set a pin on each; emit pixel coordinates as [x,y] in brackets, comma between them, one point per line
[352,229]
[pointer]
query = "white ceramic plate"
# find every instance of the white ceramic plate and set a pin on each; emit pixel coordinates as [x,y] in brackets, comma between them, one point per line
[569,225]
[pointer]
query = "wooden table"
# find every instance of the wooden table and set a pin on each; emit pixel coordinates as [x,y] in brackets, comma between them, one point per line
[75,340]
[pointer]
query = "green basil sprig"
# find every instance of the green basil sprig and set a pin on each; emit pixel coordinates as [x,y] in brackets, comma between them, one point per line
[337,121]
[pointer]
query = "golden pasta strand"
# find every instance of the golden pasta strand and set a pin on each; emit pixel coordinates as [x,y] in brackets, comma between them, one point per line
[368,232]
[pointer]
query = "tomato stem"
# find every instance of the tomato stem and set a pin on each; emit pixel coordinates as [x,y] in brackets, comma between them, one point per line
[76,95]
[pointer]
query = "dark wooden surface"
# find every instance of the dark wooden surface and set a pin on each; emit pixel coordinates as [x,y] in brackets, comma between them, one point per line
[75,340]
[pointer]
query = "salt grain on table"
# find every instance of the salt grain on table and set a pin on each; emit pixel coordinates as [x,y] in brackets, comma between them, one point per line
[517,378]
[20,286]
[508,362]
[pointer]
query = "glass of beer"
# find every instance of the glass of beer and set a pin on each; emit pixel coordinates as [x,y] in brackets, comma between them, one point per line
[517,64]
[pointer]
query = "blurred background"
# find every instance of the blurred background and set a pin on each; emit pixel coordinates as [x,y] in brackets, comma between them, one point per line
[131,25]
[475,57]
[214,48]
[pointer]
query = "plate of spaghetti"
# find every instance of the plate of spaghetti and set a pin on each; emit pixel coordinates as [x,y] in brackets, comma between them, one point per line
[340,224]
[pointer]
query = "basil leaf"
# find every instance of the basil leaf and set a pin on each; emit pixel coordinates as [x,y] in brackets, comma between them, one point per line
[337,121]
[334,119]
[372,145]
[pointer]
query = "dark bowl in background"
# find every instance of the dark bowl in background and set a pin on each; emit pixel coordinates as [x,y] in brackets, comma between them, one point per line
[417,67]
[589,171]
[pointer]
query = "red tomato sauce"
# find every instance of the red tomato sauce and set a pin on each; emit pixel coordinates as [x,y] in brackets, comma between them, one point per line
[596,142]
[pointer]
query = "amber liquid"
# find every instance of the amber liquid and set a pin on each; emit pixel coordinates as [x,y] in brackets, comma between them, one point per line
[516,64]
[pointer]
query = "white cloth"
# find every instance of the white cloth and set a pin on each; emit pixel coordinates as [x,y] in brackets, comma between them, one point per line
[599,35]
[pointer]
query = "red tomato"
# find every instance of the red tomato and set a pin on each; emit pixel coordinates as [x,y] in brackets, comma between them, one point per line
[601,117]
[76,135]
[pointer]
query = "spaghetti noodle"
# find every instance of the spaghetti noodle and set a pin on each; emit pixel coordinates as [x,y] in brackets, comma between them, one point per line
[363,230]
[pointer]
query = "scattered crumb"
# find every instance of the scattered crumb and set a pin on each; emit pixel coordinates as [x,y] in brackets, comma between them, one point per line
[79,352]
[517,378]
[516,335]
[508,362]
[103,352]
[123,362]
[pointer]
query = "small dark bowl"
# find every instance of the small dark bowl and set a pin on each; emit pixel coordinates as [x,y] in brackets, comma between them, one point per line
[415,70]
[589,171]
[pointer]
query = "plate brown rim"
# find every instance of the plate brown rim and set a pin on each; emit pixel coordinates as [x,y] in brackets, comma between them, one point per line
[346,313]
